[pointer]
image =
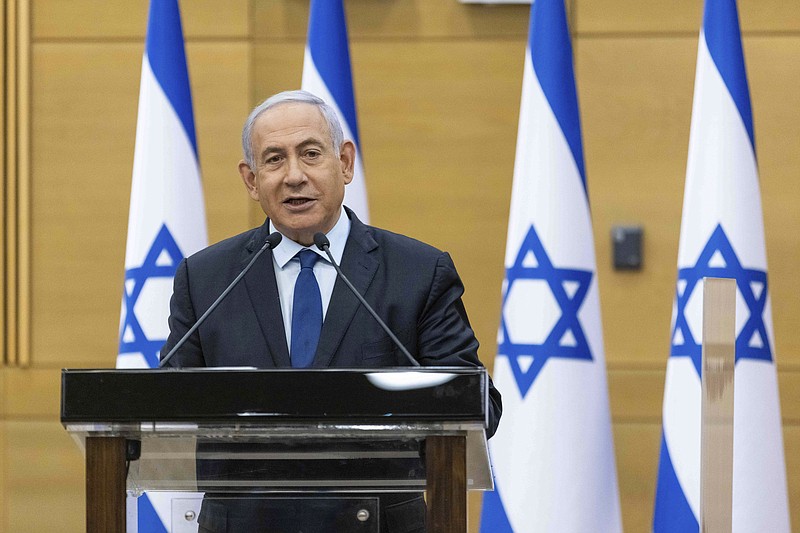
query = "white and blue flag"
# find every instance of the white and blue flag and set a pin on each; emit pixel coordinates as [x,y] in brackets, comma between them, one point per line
[553,454]
[327,74]
[722,235]
[167,214]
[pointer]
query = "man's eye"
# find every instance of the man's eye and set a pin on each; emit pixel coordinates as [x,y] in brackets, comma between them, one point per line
[272,160]
[313,154]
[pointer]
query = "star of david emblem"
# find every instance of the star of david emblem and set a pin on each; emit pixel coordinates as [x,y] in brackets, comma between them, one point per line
[719,260]
[161,262]
[536,294]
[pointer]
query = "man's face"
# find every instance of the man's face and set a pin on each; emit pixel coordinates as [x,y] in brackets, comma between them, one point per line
[298,179]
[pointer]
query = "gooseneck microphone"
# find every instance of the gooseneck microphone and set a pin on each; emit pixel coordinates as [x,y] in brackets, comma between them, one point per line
[272,241]
[322,242]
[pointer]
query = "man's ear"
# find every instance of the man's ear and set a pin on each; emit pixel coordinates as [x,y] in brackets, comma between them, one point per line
[249,179]
[347,158]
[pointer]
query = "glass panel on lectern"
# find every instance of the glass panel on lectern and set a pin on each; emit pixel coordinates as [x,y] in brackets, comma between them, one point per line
[257,464]
[234,459]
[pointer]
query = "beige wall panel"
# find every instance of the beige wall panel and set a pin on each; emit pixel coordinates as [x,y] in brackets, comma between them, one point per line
[769,15]
[776,111]
[278,67]
[474,504]
[791,437]
[45,478]
[221,95]
[636,395]
[789,389]
[618,16]
[637,450]
[636,116]
[4,393]
[654,16]
[84,119]
[3,468]
[288,19]
[102,19]
[33,393]
[438,131]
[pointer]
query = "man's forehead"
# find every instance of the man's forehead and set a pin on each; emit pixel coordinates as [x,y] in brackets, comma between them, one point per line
[291,115]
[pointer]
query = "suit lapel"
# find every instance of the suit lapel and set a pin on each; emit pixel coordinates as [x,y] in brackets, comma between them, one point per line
[360,268]
[262,288]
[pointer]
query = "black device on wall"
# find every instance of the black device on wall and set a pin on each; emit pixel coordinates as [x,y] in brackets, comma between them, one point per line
[627,247]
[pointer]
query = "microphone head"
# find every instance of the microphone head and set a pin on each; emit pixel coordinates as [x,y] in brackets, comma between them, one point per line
[321,241]
[274,239]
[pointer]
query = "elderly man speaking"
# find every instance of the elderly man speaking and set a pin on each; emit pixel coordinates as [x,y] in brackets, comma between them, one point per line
[291,310]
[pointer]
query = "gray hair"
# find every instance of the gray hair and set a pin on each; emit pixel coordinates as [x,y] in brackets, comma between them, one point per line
[305,97]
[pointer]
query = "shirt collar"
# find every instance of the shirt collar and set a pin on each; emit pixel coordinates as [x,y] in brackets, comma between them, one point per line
[287,249]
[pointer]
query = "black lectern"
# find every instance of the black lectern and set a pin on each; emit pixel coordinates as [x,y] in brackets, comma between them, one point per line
[328,433]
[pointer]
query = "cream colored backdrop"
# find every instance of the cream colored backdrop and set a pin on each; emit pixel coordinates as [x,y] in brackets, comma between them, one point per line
[437,89]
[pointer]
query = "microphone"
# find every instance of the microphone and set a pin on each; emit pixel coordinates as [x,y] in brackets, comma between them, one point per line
[272,241]
[322,242]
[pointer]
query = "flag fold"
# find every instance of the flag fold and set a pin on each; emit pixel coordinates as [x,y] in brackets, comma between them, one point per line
[553,455]
[722,235]
[166,221]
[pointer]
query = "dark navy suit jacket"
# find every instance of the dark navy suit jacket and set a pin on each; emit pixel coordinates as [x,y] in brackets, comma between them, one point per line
[412,286]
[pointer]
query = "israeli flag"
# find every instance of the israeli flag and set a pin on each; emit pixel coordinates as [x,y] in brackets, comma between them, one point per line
[327,74]
[553,455]
[722,235]
[167,214]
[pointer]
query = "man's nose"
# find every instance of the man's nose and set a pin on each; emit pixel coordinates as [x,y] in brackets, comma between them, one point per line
[295,175]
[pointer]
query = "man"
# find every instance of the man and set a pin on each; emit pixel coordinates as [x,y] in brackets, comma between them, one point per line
[290,309]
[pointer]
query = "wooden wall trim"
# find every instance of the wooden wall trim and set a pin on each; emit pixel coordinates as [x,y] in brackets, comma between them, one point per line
[4,356]
[15,217]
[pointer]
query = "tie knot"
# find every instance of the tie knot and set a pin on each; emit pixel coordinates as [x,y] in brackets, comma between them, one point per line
[307,258]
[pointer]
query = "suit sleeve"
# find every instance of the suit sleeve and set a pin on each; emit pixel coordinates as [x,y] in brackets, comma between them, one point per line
[445,337]
[181,318]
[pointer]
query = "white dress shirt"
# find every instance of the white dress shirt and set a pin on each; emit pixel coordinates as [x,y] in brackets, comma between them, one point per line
[287,268]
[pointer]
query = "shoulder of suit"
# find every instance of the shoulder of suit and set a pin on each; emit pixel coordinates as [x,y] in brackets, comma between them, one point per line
[403,244]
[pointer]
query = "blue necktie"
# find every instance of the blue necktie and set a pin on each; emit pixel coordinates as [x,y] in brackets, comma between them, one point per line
[306,312]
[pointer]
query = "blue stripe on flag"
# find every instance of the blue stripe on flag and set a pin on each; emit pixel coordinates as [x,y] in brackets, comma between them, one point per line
[164,49]
[149,522]
[724,41]
[551,55]
[327,43]
[493,514]
[672,512]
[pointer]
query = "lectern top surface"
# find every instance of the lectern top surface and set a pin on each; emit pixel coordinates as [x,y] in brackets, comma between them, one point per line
[285,396]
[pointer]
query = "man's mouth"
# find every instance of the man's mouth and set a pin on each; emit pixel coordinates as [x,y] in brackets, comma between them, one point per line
[298,202]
